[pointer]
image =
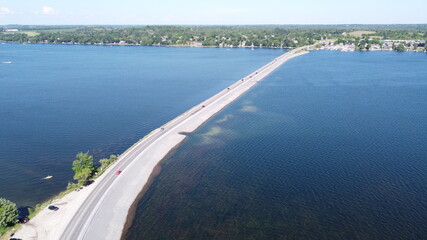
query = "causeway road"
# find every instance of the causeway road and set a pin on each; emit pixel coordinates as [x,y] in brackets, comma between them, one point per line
[103,212]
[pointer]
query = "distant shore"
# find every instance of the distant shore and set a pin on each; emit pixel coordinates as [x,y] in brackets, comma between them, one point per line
[141,45]
[343,48]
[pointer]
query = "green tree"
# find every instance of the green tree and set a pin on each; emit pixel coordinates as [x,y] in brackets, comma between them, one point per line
[400,47]
[8,213]
[83,167]
[106,162]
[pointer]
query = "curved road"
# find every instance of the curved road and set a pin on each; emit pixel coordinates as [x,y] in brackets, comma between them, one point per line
[83,224]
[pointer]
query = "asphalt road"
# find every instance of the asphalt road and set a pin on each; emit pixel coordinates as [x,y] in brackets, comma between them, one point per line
[83,220]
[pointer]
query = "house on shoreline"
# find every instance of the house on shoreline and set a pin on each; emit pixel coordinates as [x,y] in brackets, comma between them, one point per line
[374,45]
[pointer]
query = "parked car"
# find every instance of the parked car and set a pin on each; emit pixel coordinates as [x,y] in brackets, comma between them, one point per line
[118,172]
[88,183]
[53,208]
[23,220]
[23,215]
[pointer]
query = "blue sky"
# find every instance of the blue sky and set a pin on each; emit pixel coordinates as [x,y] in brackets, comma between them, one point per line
[142,12]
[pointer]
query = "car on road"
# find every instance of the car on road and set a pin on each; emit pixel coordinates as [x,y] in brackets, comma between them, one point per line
[118,172]
[53,208]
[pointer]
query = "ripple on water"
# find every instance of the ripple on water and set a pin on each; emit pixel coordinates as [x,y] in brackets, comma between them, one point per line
[50,110]
[333,151]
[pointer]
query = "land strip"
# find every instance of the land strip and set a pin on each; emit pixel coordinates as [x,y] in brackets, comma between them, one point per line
[100,210]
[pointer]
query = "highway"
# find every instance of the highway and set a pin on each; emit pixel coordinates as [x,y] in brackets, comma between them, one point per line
[112,195]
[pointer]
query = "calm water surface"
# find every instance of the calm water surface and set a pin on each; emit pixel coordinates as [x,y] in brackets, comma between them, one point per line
[58,100]
[332,145]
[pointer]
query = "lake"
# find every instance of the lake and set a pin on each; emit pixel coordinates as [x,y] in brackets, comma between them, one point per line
[332,145]
[58,100]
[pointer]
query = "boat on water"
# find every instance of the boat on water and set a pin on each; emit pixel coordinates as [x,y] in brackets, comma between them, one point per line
[7,62]
[47,177]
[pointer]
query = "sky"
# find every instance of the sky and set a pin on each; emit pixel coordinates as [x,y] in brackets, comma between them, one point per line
[218,12]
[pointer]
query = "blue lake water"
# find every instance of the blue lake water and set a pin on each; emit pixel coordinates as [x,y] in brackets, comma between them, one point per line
[332,145]
[58,100]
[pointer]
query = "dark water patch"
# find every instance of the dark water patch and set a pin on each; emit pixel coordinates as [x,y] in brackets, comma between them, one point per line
[331,146]
[57,100]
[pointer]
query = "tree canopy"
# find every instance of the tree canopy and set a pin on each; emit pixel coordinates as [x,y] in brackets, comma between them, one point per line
[8,213]
[106,162]
[277,36]
[83,167]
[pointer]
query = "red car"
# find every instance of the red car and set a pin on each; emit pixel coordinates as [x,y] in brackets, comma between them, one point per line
[118,172]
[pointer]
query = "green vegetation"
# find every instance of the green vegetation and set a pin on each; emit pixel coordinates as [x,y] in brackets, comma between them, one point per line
[271,36]
[176,35]
[83,167]
[399,47]
[8,214]
[360,33]
[280,36]
[105,163]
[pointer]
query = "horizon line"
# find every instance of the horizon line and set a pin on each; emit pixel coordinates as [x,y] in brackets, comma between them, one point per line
[261,24]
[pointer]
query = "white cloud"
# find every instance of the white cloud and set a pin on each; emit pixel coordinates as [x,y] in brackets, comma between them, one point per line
[48,10]
[5,11]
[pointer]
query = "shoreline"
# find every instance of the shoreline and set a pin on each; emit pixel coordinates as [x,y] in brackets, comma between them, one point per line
[132,210]
[201,46]
[140,45]
[114,197]
[157,169]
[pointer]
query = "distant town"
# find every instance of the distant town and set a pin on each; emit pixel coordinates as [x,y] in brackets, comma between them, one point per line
[379,45]
[334,37]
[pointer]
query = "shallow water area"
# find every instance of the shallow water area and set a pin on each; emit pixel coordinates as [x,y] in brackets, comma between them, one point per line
[332,145]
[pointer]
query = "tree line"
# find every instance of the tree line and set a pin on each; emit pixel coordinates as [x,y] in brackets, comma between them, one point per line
[227,36]
[85,168]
